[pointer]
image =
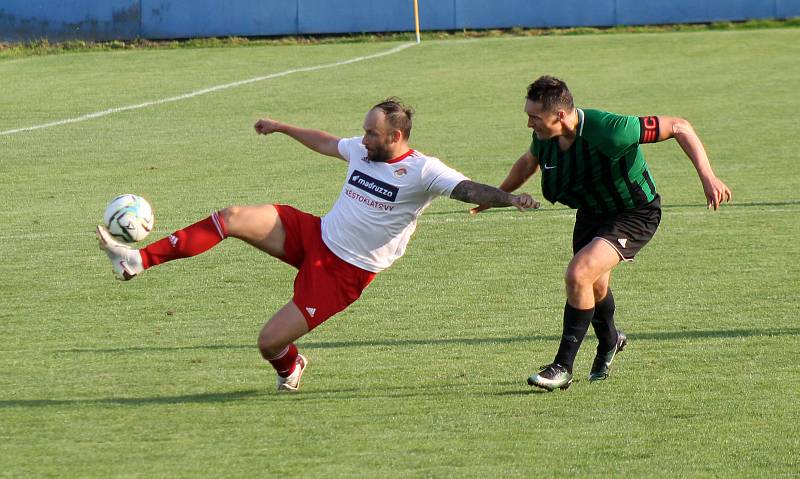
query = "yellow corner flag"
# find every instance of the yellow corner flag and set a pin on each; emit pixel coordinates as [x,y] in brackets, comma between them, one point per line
[416,17]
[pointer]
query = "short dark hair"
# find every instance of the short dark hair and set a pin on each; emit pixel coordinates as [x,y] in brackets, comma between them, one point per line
[398,114]
[552,93]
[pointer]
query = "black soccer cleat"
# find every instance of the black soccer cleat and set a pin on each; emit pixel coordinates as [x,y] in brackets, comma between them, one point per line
[601,367]
[550,377]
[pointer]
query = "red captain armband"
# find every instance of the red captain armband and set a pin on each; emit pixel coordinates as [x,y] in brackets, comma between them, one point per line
[649,127]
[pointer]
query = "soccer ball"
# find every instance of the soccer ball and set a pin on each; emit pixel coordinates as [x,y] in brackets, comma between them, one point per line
[129,218]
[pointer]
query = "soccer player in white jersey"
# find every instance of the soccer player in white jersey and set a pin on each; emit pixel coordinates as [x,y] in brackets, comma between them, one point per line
[386,188]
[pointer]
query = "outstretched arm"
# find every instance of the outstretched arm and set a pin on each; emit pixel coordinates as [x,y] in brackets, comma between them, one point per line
[317,140]
[715,190]
[478,193]
[522,169]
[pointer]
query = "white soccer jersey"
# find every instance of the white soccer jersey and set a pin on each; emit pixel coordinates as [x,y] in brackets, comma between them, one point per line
[376,213]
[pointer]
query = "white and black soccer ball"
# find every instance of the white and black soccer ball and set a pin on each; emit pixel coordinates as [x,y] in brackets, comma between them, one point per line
[129,218]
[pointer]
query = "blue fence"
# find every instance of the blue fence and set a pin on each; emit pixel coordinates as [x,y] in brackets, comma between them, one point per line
[59,20]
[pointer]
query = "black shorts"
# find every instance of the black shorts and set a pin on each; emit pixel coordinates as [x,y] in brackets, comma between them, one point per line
[627,232]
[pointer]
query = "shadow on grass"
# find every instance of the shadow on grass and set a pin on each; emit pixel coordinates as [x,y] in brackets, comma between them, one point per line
[510,388]
[522,392]
[180,399]
[752,204]
[549,209]
[472,389]
[634,336]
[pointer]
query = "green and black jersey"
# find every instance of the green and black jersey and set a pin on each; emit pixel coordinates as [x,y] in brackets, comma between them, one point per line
[604,171]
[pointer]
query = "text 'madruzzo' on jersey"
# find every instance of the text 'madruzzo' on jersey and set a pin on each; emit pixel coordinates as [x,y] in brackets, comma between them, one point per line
[372,186]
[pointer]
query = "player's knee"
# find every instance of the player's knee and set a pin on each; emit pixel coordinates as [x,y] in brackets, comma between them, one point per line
[230,213]
[576,276]
[268,346]
[230,216]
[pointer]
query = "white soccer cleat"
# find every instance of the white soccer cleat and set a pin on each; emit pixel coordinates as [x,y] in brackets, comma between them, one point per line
[292,381]
[126,261]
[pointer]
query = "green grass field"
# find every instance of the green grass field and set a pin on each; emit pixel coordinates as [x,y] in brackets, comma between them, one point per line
[425,376]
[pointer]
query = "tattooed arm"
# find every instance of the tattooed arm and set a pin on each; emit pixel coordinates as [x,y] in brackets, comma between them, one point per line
[480,194]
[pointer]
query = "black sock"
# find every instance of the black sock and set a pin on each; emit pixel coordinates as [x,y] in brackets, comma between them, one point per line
[603,324]
[576,324]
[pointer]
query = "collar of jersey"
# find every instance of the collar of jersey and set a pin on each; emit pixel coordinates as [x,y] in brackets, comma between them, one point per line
[580,122]
[400,158]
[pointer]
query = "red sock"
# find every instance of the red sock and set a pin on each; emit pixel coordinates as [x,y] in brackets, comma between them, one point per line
[284,361]
[189,241]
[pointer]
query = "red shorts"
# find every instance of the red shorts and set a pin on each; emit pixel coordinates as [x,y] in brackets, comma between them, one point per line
[325,284]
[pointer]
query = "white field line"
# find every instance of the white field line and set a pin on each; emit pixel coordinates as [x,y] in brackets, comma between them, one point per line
[204,91]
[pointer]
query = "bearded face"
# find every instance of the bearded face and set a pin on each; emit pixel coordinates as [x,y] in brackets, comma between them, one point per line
[379,151]
[377,137]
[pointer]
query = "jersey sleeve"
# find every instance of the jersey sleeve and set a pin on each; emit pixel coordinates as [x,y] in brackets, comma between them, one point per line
[623,132]
[350,148]
[440,179]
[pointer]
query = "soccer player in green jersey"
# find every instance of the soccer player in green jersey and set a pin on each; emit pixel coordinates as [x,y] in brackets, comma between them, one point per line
[591,160]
